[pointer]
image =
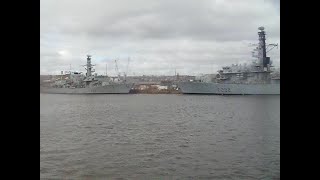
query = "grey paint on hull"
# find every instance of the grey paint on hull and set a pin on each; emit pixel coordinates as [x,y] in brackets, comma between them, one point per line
[236,89]
[107,89]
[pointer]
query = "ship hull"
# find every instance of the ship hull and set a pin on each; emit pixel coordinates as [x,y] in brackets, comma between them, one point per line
[229,89]
[107,89]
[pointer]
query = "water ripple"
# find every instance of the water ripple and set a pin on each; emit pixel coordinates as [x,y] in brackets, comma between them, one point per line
[159,137]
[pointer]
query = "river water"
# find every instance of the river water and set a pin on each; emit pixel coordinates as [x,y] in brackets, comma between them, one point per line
[159,137]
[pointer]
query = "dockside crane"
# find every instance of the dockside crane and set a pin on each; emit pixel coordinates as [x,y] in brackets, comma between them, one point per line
[117,69]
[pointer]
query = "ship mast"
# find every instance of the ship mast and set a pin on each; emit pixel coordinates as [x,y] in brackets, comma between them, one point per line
[264,61]
[89,67]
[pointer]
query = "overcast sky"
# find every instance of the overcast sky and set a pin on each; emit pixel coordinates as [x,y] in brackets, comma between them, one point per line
[192,36]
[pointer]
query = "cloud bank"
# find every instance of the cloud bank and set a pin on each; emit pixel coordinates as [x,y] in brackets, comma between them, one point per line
[191,37]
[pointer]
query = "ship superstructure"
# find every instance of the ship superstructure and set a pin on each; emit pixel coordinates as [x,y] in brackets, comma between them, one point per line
[241,79]
[78,83]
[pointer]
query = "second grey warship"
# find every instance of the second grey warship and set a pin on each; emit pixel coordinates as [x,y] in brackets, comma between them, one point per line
[240,80]
[76,83]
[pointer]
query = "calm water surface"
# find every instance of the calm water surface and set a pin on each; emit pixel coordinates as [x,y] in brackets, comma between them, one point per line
[159,137]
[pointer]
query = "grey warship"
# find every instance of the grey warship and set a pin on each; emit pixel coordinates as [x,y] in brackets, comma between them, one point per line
[254,79]
[76,83]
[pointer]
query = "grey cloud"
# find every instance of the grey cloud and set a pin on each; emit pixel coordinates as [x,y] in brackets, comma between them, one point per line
[155,34]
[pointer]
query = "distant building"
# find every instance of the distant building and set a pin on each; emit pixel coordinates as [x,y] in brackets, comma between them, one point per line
[159,87]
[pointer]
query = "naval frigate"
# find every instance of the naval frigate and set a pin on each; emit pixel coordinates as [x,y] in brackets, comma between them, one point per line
[254,79]
[77,83]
